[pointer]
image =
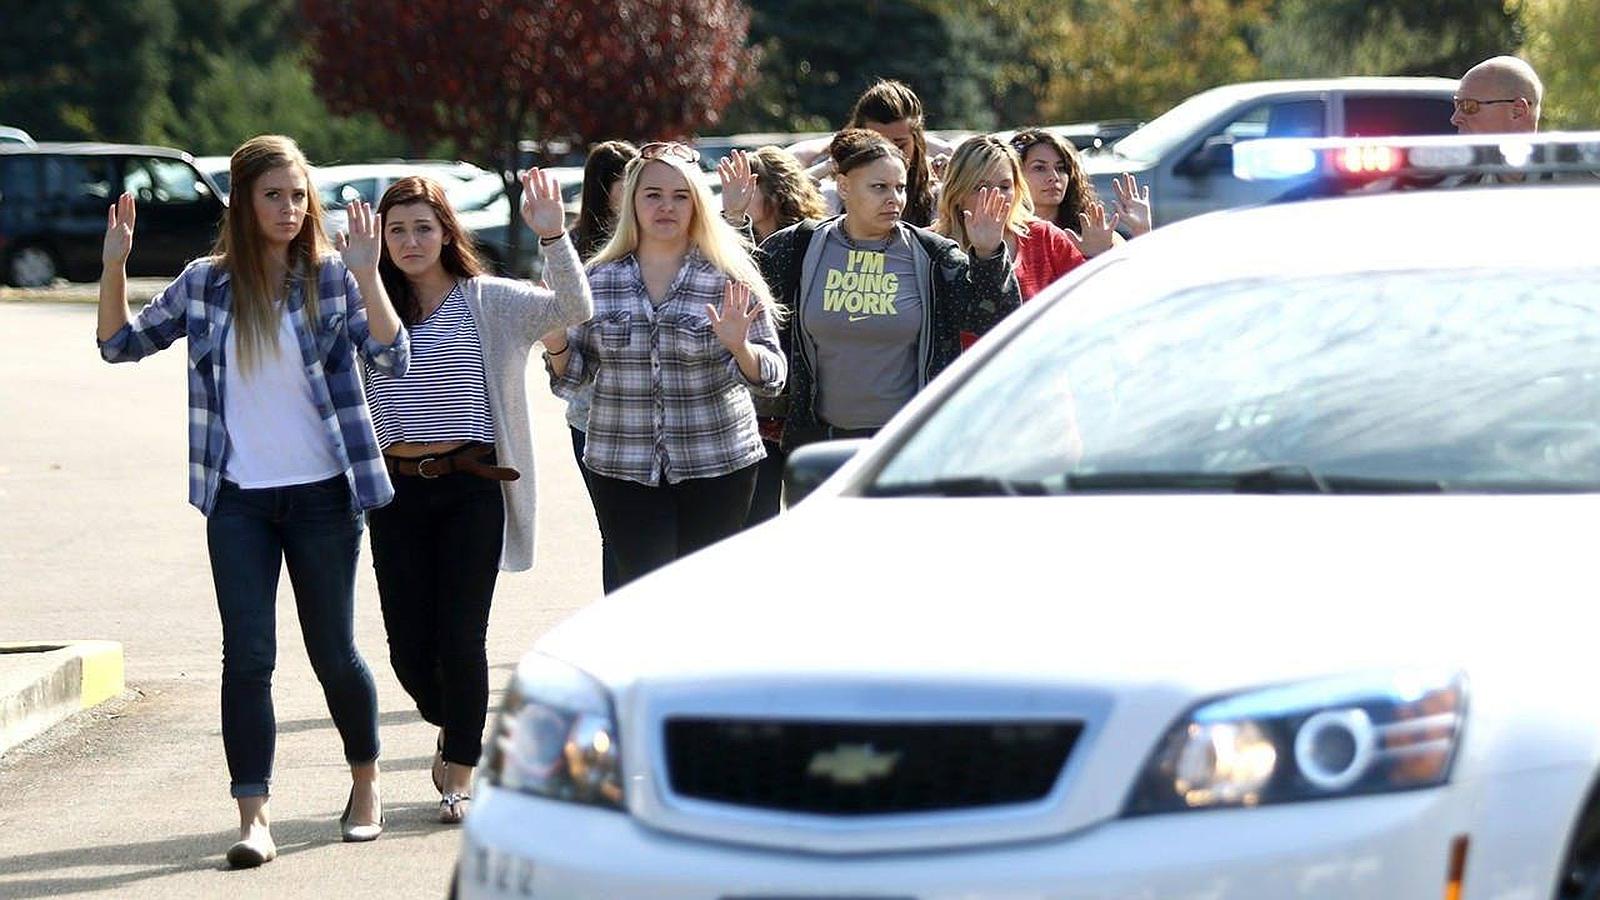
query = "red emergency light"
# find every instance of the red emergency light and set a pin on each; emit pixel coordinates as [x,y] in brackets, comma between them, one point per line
[1369,159]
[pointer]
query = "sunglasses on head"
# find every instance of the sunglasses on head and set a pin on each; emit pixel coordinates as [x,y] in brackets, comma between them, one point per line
[1467,106]
[663,149]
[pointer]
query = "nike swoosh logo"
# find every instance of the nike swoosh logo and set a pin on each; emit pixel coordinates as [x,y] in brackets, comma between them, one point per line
[859,318]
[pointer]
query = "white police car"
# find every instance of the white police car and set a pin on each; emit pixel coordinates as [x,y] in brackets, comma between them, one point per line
[1255,560]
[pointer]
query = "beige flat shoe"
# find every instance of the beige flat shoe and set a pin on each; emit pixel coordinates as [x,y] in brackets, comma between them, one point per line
[252,852]
[356,834]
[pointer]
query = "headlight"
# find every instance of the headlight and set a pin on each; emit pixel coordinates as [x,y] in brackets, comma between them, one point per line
[556,736]
[1336,737]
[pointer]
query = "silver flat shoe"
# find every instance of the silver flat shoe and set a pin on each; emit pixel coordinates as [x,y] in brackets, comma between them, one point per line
[453,808]
[248,854]
[355,834]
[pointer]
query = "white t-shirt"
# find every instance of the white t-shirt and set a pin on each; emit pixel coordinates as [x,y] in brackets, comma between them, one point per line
[275,437]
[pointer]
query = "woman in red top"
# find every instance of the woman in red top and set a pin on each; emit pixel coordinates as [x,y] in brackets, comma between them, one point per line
[1040,251]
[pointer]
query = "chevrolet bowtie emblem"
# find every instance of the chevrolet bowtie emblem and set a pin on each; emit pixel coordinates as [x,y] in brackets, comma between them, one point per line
[852,764]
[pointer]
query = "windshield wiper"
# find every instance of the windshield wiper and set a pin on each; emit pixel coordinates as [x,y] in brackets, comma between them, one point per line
[965,486]
[1279,479]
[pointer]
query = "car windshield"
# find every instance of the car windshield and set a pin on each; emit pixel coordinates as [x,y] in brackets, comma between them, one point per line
[1153,141]
[474,194]
[1368,382]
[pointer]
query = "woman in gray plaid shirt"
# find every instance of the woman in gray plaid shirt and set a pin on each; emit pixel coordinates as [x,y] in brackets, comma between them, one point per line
[683,333]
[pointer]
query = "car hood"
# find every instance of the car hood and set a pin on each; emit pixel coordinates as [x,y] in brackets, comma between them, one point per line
[1199,593]
[1109,164]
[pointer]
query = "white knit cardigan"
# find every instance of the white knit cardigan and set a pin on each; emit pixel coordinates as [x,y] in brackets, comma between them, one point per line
[511,315]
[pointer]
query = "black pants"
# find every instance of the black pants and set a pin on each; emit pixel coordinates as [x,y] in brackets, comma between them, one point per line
[436,549]
[608,560]
[767,500]
[648,527]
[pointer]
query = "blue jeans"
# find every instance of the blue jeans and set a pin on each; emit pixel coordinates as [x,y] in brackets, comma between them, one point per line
[315,529]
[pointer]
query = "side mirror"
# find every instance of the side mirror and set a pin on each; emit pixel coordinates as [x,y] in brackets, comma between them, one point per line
[812,464]
[1215,155]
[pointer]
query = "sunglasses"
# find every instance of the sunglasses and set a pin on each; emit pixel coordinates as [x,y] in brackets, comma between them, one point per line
[662,149]
[1467,106]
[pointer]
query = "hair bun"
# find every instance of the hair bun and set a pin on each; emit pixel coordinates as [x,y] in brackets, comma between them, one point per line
[855,147]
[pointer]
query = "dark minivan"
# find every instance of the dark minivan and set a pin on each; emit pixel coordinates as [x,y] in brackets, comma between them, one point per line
[53,201]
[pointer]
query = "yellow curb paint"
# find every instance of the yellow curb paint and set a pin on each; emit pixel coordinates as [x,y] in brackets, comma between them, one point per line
[102,673]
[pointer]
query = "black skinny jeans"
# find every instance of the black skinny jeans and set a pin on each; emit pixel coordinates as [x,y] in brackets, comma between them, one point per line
[608,561]
[648,527]
[436,550]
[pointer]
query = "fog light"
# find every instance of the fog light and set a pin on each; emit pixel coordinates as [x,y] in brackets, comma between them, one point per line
[1334,748]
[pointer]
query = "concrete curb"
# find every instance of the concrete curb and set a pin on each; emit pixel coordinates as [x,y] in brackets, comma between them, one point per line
[44,682]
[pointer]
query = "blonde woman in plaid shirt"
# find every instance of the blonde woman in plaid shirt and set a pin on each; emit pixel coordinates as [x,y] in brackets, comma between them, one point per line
[683,334]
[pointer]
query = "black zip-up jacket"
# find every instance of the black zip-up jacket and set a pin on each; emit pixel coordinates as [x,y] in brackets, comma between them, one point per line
[967,296]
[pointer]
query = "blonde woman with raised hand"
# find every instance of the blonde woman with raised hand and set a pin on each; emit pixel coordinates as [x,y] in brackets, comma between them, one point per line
[683,334]
[282,459]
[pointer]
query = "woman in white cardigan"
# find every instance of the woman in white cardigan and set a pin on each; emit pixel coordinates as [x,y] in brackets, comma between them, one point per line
[457,443]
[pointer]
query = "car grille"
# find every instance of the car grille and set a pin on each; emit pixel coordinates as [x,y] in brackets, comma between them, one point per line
[865,768]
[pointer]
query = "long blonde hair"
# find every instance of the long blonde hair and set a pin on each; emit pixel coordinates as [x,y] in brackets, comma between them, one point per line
[968,167]
[720,243]
[240,249]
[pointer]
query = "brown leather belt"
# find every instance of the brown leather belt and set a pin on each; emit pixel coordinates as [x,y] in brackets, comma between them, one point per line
[466,459]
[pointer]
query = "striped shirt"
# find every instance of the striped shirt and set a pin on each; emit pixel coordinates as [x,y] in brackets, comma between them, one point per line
[669,400]
[443,396]
[198,306]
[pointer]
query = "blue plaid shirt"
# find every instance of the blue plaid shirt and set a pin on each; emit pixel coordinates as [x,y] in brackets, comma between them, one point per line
[198,305]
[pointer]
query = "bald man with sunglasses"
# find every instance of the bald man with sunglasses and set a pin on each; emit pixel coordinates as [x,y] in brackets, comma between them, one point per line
[1500,95]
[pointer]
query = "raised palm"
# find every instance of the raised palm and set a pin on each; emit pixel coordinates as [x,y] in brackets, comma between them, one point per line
[119,232]
[738,183]
[1098,233]
[986,221]
[360,245]
[731,324]
[542,208]
[1133,204]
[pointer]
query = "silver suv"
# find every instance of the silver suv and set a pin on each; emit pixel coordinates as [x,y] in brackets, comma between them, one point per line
[1186,154]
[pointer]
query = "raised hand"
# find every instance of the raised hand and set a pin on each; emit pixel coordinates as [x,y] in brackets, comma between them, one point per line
[1133,204]
[360,246]
[731,323]
[119,232]
[937,164]
[738,184]
[542,208]
[1099,232]
[986,224]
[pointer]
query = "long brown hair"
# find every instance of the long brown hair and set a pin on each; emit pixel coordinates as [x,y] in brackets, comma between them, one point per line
[784,183]
[458,256]
[891,101]
[604,167]
[240,248]
[1079,194]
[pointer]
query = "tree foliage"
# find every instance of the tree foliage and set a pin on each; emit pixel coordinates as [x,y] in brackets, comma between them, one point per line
[80,69]
[1564,47]
[1137,58]
[1392,37]
[819,55]
[489,73]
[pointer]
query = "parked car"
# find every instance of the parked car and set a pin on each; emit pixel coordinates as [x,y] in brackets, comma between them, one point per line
[53,201]
[1085,136]
[1186,154]
[9,135]
[218,169]
[1262,573]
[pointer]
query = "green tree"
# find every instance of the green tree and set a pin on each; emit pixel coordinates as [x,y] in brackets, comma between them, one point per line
[82,69]
[1137,58]
[817,56]
[1562,46]
[1392,37]
[241,98]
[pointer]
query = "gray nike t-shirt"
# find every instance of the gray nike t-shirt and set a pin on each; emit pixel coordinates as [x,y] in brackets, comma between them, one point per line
[864,314]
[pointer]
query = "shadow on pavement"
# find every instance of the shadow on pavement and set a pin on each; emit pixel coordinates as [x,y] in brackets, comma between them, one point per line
[189,853]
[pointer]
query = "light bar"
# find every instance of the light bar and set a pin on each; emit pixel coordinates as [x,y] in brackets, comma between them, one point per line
[1275,159]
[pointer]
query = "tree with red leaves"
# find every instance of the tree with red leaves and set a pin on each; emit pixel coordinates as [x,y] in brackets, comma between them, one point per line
[488,73]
